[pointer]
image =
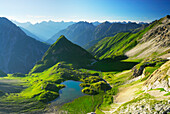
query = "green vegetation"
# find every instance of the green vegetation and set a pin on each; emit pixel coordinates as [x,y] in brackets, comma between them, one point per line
[83,104]
[48,96]
[98,111]
[2,74]
[89,90]
[85,85]
[18,75]
[44,87]
[63,50]
[1,93]
[94,85]
[161,89]
[20,105]
[119,78]
[150,66]
[167,94]
[107,65]
[110,47]
[113,91]
[108,99]
[50,79]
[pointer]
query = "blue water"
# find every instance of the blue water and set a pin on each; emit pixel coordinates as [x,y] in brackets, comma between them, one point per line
[69,93]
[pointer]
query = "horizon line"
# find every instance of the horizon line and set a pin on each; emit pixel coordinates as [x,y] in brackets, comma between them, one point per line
[75,21]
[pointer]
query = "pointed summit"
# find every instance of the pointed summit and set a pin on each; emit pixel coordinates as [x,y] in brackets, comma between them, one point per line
[64,50]
[62,38]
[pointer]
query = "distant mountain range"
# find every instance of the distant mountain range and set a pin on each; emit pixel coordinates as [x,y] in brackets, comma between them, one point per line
[44,30]
[83,33]
[18,52]
[79,33]
[50,31]
[28,33]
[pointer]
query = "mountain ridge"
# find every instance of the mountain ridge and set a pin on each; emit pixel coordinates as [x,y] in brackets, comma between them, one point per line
[82,33]
[44,30]
[125,43]
[18,51]
[78,33]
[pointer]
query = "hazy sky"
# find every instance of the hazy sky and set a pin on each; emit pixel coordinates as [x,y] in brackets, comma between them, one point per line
[84,10]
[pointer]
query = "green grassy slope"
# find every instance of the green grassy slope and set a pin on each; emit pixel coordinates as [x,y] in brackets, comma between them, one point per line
[44,86]
[64,50]
[110,47]
[58,64]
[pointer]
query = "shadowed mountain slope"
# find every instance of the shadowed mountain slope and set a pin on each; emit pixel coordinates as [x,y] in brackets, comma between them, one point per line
[18,52]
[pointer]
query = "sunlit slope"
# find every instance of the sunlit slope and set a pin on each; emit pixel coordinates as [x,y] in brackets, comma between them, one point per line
[64,50]
[110,47]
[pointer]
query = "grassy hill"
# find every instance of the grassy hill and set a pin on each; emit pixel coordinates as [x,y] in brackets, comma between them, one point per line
[64,50]
[110,47]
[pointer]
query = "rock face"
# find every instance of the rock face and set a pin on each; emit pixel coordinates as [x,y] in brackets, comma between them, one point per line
[139,69]
[137,72]
[159,78]
[145,106]
[18,52]
[154,42]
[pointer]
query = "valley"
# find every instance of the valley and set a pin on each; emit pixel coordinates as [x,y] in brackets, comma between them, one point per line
[127,70]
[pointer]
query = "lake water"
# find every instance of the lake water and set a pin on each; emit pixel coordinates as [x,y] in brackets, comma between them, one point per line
[69,93]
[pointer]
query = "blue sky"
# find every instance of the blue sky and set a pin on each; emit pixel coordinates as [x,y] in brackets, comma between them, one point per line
[84,10]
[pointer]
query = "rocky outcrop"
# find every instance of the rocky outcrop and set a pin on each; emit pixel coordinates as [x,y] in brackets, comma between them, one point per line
[145,106]
[139,68]
[137,71]
[159,78]
[154,42]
